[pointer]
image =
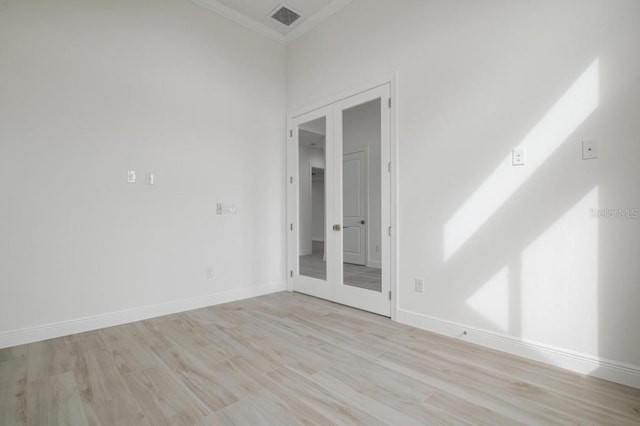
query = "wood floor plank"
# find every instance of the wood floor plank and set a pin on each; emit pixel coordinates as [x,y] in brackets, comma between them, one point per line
[320,399]
[104,393]
[290,359]
[13,390]
[164,398]
[55,400]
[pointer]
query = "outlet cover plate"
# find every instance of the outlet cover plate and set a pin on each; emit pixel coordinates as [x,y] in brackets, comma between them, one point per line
[589,150]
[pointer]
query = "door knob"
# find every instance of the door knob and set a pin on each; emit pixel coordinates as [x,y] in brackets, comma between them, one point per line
[337,227]
[362,222]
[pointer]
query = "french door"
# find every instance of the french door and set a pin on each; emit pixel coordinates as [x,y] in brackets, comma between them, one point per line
[339,204]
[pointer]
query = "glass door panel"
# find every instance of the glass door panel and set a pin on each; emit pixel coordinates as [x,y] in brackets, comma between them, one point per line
[312,199]
[310,189]
[361,191]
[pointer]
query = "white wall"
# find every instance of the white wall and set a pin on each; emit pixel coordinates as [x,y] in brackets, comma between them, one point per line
[91,89]
[522,257]
[361,127]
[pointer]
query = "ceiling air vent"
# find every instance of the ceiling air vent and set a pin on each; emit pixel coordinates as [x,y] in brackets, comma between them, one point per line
[284,15]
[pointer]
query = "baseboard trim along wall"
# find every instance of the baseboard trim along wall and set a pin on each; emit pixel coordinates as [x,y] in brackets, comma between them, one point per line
[80,325]
[614,371]
[374,264]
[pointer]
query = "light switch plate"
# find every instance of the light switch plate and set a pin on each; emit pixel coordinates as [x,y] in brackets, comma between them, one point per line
[519,156]
[589,150]
[230,209]
[131,176]
[149,178]
[419,283]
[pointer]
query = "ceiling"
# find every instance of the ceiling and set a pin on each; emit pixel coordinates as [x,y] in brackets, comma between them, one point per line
[312,133]
[310,139]
[256,15]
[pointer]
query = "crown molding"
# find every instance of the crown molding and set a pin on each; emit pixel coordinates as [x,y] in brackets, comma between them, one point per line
[237,17]
[305,26]
[314,20]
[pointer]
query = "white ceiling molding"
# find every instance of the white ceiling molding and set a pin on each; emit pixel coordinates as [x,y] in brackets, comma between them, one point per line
[239,18]
[306,25]
[315,19]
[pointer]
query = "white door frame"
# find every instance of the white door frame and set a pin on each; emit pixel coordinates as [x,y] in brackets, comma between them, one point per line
[392,81]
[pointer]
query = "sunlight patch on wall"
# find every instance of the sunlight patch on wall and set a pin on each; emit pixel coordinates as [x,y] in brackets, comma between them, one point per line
[491,300]
[560,281]
[571,110]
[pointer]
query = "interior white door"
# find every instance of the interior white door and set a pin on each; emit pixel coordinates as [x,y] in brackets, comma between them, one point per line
[311,166]
[354,213]
[352,265]
[364,121]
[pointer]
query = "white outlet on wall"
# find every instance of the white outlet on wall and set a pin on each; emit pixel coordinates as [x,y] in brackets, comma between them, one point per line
[209,273]
[589,150]
[419,285]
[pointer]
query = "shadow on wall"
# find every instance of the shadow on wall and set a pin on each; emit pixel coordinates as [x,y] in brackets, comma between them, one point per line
[559,246]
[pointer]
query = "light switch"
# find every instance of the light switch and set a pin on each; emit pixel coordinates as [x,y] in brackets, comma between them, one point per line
[131,176]
[230,209]
[519,156]
[149,178]
[222,208]
[589,150]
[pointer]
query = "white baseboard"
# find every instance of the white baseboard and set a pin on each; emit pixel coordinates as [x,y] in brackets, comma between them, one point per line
[374,264]
[613,371]
[80,325]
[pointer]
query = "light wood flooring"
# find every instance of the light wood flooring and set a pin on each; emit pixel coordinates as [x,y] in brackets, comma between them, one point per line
[289,359]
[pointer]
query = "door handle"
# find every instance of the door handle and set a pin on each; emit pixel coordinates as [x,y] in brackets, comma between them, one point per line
[337,227]
[362,222]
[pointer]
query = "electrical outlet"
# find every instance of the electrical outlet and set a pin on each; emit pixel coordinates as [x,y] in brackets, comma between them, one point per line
[209,273]
[589,150]
[419,285]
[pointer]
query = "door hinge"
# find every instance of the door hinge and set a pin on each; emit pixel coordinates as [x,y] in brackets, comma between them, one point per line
[389,294]
[291,227]
[389,231]
[291,179]
[389,102]
[290,133]
[389,166]
[291,274]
